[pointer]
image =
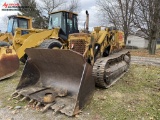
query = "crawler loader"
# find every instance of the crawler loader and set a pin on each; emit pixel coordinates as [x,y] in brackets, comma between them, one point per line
[63,78]
[9,62]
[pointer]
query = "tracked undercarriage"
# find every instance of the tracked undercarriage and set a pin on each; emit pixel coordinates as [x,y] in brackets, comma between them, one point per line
[108,70]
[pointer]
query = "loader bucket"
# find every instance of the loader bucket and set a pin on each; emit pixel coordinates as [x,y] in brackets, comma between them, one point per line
[9,62]
[63,75]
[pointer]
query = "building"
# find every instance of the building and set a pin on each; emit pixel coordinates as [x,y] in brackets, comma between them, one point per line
[136,41]
[158,44]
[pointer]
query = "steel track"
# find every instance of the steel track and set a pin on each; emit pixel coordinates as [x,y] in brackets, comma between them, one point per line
[107,70]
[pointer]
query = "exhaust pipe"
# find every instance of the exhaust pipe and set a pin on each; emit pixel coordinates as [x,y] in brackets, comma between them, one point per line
[87,22]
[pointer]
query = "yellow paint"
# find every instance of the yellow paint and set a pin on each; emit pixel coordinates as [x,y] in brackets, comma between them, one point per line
[8,37]
[103,38]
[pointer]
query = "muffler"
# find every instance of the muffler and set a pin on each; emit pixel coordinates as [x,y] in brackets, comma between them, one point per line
[58,79]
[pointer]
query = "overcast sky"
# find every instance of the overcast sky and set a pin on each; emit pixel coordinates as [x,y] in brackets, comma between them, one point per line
[89,5]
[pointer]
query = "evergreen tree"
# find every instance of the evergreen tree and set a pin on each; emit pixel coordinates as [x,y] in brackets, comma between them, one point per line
[34,12]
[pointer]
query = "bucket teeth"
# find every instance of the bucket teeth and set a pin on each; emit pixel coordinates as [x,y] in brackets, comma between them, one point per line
[14,94]
[47,107]
[34,104]
[23,99]
[38,104]
[16,97]
[31,101]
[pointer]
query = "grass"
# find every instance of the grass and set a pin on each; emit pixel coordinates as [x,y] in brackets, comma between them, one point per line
[135,96]
[7,87]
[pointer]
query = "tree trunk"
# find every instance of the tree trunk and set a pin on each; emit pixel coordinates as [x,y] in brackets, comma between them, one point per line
[152,46]
[125,38]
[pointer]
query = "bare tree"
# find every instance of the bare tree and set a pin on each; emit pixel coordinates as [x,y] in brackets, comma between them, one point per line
[43,8]
[147,18]
[49,6]
[33,11]
[119,12]
[110,12]
[73,6]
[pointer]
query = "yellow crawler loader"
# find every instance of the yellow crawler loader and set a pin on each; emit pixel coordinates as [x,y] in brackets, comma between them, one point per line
[64,78]
[9,62]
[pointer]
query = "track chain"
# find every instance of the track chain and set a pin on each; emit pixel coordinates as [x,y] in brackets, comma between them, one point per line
[100,72]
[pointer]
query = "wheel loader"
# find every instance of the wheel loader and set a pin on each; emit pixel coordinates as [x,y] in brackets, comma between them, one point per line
[9,62]
[15,21]
[63,77]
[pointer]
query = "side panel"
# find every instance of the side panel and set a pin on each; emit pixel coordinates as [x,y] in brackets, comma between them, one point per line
[32,41]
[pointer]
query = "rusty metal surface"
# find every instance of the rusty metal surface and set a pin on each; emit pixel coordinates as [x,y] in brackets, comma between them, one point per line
[108,70]
[9,64]
[62,73]
[77,45]
[80,34]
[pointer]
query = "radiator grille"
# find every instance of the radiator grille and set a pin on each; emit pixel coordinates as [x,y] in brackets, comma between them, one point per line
[78,45]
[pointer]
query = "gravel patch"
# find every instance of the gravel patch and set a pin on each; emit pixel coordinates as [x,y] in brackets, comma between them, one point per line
[145,60]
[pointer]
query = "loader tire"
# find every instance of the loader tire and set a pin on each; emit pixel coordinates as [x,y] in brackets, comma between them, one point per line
[47,44]
[51,44]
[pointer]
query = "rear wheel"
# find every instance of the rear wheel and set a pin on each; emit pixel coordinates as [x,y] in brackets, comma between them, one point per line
[51,44]
[46,44]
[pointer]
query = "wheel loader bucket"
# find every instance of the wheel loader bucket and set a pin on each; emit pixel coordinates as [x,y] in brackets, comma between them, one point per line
[9,62]
[58,79]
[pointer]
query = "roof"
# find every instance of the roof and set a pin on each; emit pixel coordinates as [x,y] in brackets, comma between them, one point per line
[63,11]
[18,16]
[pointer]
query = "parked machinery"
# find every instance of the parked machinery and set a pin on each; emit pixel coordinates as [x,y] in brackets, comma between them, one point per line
[9,62]
[15,21]
[64,79]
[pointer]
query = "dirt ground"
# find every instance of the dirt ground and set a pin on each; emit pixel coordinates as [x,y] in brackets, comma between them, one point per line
[145,61]
[136,96]
[144,53]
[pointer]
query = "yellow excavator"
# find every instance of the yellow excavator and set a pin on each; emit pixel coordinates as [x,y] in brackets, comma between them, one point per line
[9,62]
[64,66]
